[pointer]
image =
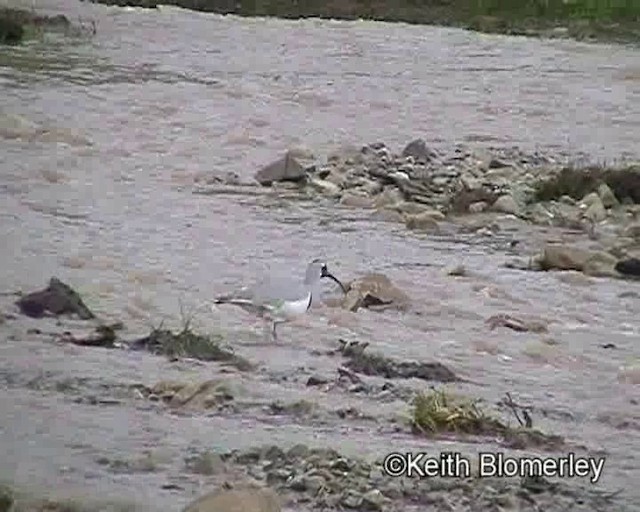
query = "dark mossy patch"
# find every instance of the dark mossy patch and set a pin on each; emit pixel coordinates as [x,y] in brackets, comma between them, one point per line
[578,182]
[382,366]
[102,336]
[18,24]
[438,413]
[187,343]
[11,32]
[6,498]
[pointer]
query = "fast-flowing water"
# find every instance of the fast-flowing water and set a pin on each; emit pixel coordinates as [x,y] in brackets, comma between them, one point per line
[105,138]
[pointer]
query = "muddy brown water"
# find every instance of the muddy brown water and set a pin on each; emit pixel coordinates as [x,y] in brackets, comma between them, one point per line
[104,141]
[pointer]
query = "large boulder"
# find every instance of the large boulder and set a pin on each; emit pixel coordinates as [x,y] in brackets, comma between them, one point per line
[375,291]
[287,168]
[564,257]
[56,299]
[244,499]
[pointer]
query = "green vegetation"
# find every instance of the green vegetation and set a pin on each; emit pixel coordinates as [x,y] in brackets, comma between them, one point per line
[438,413]
[578,182]
[11,29]
[613,20]
[187,343]
[18,25]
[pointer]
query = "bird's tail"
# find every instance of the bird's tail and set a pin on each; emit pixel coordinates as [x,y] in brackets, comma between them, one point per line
[230,299]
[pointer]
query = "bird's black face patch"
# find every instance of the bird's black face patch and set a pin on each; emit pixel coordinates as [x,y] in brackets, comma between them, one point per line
[324,271]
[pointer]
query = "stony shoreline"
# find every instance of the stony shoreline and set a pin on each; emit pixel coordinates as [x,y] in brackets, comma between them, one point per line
[475,189]
[558,22]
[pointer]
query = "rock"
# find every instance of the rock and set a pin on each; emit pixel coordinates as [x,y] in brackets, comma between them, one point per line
[349,154]
[370,187]
[374,291]
[419,151]
[632,231]
[57,299]
[386,215]
[418,209]
[351,500]
[200,396]
[628,267]
[356,200]
[540,215]
[477,207]
[562,257]
[593,263]
[314,484]
[317,380]
[590,199]
[334,176]
[600,264]
[566,215]
[325,187]
[243,499]
[506,204]
[421,222]
[517,324]
[373,500]
[388,197]
[287,168]
[207,463]
[497,163]
[608,198]
[595,212]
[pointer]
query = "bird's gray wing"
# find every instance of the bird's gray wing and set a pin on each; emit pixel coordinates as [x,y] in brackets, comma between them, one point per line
[277,289]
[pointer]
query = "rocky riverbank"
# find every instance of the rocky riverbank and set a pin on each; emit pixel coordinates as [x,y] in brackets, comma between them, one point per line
[549,19]
[478,191]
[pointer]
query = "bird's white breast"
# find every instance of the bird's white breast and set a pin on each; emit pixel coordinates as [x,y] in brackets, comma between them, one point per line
[296,307]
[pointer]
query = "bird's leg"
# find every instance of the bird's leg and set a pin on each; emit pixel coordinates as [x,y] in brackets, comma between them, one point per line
[274,334]
[268,333]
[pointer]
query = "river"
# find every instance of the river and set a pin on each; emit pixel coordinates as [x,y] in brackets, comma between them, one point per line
[160,99]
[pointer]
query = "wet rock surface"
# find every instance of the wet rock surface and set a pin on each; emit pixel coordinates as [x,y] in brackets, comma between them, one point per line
[57,299]
[374,291]
[243,499]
